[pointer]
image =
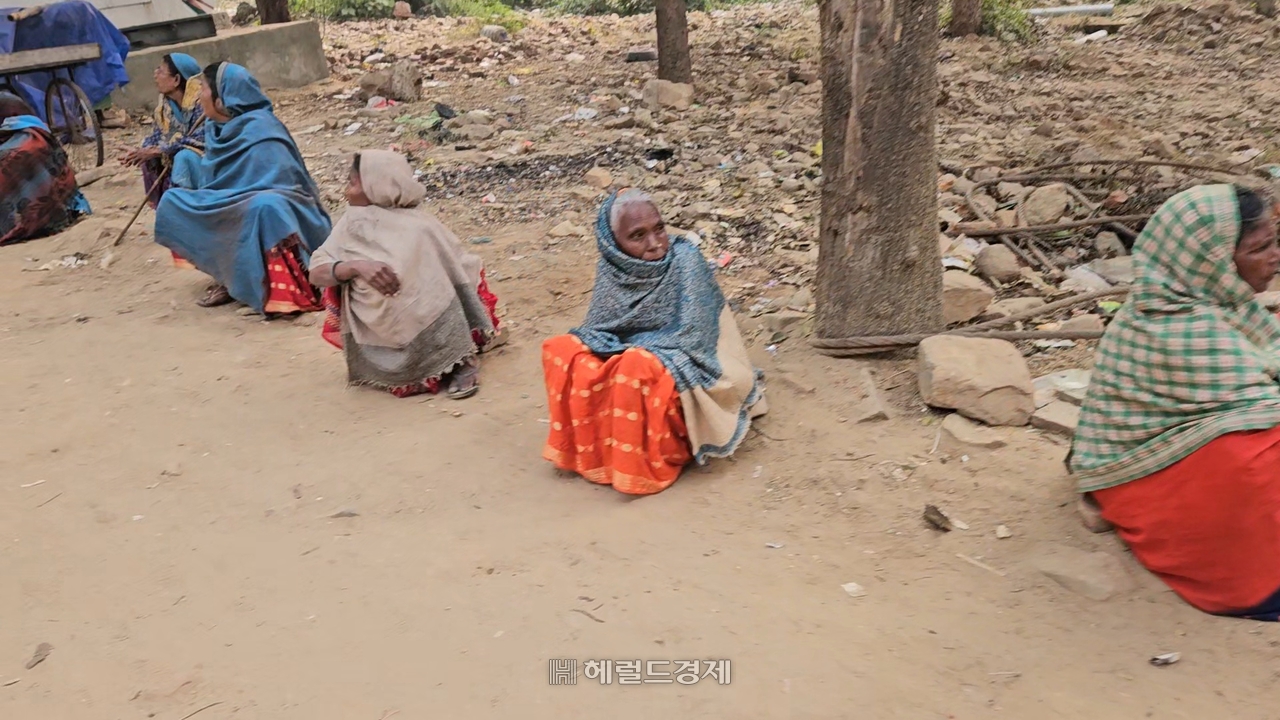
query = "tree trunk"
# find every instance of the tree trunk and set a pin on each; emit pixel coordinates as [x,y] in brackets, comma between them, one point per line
[966,18]
[673,42]
[273,11]
[879,270]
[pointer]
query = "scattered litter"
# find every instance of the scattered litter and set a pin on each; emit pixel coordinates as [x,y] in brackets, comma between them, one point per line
[30,485]
[854,589]
[979,564]
[758,471]
[73,260]
[937,519]
[773,546]
[483,240]
[136,518]
[353,128]
[14,681]
[1053,344]
[513,81]
[1166,659]
[584,113]
[724,260]
[1092,37]
[40,655]
[1003,532]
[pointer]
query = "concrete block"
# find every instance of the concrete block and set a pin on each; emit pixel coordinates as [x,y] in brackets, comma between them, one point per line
[288,55]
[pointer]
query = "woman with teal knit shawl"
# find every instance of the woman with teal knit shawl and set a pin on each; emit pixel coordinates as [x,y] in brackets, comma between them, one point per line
[254,215]
[657,375]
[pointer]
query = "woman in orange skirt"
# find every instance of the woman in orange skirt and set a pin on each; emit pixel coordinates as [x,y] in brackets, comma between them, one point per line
[657,375]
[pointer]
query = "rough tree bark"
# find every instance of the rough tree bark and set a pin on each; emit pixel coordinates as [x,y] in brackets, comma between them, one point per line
[273,11]
[879,270]
[673,41]
[966,18]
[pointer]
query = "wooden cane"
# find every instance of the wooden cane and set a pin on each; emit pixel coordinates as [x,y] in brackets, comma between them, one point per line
[145,200]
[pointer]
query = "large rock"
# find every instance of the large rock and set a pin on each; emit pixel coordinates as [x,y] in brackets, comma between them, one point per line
[496,33]
[598,177]
[475,132]
[1057,417]
[666,94]
[964,432]
[998,263]
[374,83]
[1046,205]
[1095,575]
[1069,386]
[964,297]
[405,82]
[983,379]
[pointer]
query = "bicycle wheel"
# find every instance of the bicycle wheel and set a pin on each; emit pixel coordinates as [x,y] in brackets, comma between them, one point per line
[74,123]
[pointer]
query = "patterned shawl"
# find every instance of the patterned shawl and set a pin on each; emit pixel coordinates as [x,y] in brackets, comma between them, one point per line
[670,307]
[1191,357]
[433,323]
[38,191]
[180,125]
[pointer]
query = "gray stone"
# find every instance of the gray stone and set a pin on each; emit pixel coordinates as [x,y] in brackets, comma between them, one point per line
[800,301]
[1057,417]
[1084,323]
[496,33]
[475,132]
[598,177]
[964,297]
[1117,271]
[1082,279]
[982,379]
[659,94]
[784,321]
[1013,306]
[1067,385]
[1095,575]
[374,83]
[1011,192]
[1046,205]
[1108,245]
[567,229]
[966,433]
[998,263]
[405,82]
[872,408]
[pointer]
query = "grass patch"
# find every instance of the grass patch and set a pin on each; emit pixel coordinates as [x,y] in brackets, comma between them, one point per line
[1004,19]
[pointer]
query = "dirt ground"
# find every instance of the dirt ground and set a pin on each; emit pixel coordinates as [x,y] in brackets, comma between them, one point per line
[172,476]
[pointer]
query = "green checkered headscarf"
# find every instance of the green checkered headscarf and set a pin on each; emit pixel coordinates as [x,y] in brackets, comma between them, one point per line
[1190,357]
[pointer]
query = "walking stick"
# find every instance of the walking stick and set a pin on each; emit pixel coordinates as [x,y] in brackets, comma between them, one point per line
[156,184]
[159,179]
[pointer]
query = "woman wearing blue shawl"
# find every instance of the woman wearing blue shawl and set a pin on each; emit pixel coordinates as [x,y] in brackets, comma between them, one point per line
[658,374]
[170,155]
[255,215]
[38,191]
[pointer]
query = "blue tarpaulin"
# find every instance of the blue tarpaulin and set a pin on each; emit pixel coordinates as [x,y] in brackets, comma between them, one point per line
[61,24]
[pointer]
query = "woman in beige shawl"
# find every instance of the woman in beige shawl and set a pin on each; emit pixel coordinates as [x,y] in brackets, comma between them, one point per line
[408,307]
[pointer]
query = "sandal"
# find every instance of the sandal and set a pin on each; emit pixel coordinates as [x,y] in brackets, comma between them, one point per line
[465,382]
[215,296]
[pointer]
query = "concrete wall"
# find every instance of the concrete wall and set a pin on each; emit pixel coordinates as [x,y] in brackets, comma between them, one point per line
[288,55]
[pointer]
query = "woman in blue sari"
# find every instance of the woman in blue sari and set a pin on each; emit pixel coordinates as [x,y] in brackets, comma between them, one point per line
[255,215]
[170,155]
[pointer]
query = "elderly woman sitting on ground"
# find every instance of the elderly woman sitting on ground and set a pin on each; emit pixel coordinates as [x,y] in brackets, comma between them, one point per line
[38,191]
[658,374]
[1179,437]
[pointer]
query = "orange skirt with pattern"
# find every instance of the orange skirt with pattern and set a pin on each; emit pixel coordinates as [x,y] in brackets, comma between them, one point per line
[615,422]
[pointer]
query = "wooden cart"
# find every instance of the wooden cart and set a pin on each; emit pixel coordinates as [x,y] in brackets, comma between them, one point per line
[70,114]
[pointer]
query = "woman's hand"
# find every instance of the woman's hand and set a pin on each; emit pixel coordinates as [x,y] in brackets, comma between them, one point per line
[379,275]
[140,156]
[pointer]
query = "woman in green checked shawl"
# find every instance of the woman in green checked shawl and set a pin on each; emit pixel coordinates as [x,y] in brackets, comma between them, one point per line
[1179,436]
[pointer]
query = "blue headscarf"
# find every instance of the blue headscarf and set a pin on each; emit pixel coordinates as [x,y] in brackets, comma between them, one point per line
[187,66]
[670,307]
[254,192]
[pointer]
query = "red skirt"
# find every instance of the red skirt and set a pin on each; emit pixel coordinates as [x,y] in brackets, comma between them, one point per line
[288,288]
[1209,525]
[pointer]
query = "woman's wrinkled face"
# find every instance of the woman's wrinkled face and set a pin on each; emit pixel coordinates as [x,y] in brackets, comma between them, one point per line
[355,190]
[1257,256]
[641,233]
[213,109]
[166,81]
